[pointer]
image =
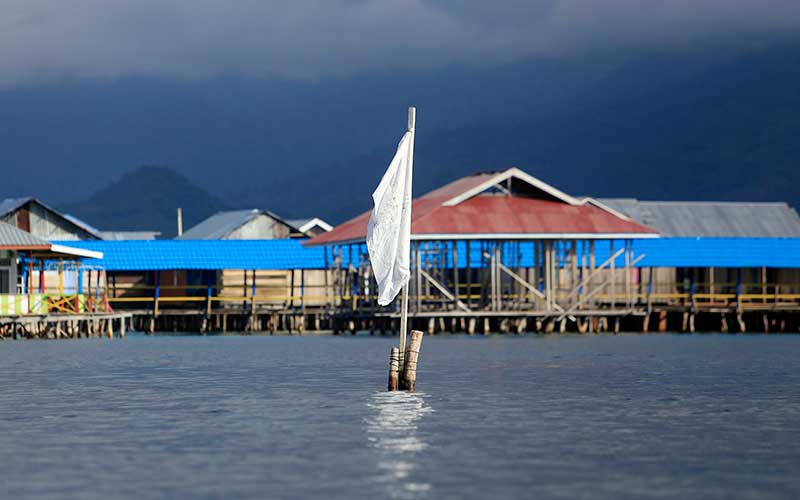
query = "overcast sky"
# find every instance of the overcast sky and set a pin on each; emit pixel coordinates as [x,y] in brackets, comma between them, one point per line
[315,39]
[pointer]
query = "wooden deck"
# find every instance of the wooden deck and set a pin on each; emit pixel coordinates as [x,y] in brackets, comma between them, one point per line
[57,326]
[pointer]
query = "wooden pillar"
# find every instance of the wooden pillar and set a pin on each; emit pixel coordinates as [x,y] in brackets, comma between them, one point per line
[29,282]
[209,292]
[302,291]
[495,278]
[628,273]
[548,274]
[582,291]
[291,285]
[411,360]
[612,289]
[456,291]
[592,268]
[711,287]
[394,369]
[417,269]
[41,276]
[157,293]
[573,257]
[325,278]
[469,274]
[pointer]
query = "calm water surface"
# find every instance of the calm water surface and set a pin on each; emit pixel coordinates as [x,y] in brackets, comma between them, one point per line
[628,416]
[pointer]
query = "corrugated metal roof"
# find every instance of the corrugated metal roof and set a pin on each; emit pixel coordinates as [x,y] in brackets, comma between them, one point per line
[11,204]
[82,224]
[487,214]
[712,219]
[658,252]
[143,255]
[221,224]
[11,236]
[298,223]
[290,253]
[708,252]
[720,252]
[129,235]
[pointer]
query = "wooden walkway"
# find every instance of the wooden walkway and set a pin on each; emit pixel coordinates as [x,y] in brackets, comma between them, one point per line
[57,326]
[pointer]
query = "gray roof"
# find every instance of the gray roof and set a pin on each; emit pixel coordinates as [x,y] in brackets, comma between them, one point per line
[10,204]
[298,222]
[712,218]
[219,225]
[129,235]
[11,236]
[222,224]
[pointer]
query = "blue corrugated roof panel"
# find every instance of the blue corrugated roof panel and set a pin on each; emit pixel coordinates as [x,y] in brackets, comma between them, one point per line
[291,254]
[144,255]
[720,252]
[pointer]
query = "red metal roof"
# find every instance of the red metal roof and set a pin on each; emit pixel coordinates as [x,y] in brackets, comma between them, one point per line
[491,214]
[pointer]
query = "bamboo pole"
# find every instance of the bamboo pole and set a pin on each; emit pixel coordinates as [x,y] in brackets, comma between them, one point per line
[412,125]
[409,380]
[394,369]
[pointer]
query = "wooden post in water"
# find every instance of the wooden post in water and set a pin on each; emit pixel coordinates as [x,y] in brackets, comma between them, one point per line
[412,126]
[409,379]
[394,369]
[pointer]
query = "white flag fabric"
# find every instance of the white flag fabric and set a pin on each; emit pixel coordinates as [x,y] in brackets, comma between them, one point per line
[389,229]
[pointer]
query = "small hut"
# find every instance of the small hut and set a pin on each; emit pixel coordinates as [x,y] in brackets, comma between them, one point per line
[28,263]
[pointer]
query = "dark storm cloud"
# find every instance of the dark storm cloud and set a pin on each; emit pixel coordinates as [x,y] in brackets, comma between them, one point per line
[321,38]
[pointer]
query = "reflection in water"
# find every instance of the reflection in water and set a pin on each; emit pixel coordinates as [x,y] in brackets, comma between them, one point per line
[392,429]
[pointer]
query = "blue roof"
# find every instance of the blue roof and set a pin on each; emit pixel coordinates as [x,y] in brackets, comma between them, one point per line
[658,252]
[291,254]
[719,252]
[145,255]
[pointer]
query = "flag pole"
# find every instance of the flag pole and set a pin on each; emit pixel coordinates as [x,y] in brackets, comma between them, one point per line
[412,125]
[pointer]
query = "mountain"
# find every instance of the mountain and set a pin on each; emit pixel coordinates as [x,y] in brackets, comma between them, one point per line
[692,123]
[146,198]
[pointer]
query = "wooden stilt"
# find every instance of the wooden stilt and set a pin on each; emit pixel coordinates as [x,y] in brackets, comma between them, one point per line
[662,321]
[409,381]
[394,369]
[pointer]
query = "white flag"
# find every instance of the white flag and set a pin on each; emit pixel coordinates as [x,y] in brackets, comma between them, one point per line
[389,230]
